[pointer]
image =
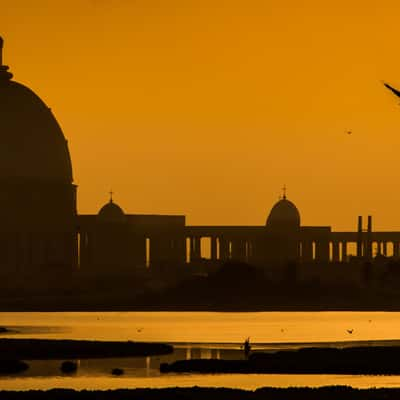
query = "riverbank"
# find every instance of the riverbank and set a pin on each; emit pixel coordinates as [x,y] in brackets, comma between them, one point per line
[196,393]
[351,361]
[48,349]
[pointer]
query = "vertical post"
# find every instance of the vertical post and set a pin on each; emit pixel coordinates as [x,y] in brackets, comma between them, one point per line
[395,249]
[213,248]
[359,237]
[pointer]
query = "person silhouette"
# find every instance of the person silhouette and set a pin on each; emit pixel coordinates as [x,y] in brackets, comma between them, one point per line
[247,347]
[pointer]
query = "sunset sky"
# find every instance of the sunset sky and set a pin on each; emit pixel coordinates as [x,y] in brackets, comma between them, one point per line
[207,108]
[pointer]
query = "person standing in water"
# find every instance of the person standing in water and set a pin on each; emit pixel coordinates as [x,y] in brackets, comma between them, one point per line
[247,347]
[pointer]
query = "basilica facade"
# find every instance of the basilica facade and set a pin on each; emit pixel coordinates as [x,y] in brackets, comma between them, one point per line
[41,230]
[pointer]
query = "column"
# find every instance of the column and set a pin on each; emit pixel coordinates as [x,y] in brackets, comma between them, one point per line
[223,249]
[306,248]
[195,254]
[335,251]
[249,250]
[322,251]
[213,248]
[384,245]
[82,250]
[368,244]
[238,250]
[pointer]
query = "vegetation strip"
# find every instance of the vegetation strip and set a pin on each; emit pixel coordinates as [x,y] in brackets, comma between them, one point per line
[353,360]
[46,349]
[196,393]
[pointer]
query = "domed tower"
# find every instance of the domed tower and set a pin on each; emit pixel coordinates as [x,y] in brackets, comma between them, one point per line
[283,228]
[37,194]
[111,213]
[283,217]
[111,240]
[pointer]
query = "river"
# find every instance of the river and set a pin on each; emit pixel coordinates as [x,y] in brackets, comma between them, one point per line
[194,335]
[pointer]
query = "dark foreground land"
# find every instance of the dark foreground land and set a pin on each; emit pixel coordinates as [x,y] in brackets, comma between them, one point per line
[353,360]
[209,288]
[195,393]
[45,349]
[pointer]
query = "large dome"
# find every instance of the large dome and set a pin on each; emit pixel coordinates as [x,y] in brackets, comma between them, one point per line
[284,215]
[32,145]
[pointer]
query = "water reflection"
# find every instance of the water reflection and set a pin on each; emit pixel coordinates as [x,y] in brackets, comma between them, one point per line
[132,366]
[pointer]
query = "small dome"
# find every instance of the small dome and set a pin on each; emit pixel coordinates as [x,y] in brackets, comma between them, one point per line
[284,215]
[111,212]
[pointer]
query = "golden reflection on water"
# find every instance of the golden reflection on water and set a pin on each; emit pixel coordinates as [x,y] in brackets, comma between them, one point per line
[207,327]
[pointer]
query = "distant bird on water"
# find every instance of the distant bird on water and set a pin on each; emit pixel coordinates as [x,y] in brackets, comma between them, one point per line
[391,88]
[349,132]
[350,331]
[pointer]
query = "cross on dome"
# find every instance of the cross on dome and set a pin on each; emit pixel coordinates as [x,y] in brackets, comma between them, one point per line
[1,50]
[4,74]
[284,192]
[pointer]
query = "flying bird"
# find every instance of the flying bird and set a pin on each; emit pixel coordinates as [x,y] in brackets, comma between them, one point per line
[391,88]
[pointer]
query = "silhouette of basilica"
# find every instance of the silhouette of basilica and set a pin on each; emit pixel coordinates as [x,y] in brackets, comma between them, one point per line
[41,230]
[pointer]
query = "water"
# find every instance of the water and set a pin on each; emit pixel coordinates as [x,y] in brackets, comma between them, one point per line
[194,335]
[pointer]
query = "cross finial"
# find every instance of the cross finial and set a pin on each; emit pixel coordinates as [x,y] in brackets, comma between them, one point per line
[5,75]
[1,50]
[284,192]
[111,195]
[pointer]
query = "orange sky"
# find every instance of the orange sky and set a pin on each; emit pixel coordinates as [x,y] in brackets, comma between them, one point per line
[207,107]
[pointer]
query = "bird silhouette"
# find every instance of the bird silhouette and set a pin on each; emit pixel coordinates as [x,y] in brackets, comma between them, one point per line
[350,331]
[392,89]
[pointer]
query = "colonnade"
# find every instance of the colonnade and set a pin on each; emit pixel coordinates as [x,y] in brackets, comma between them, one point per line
[219,248]
[253,246]
[222,248]
[338,250]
